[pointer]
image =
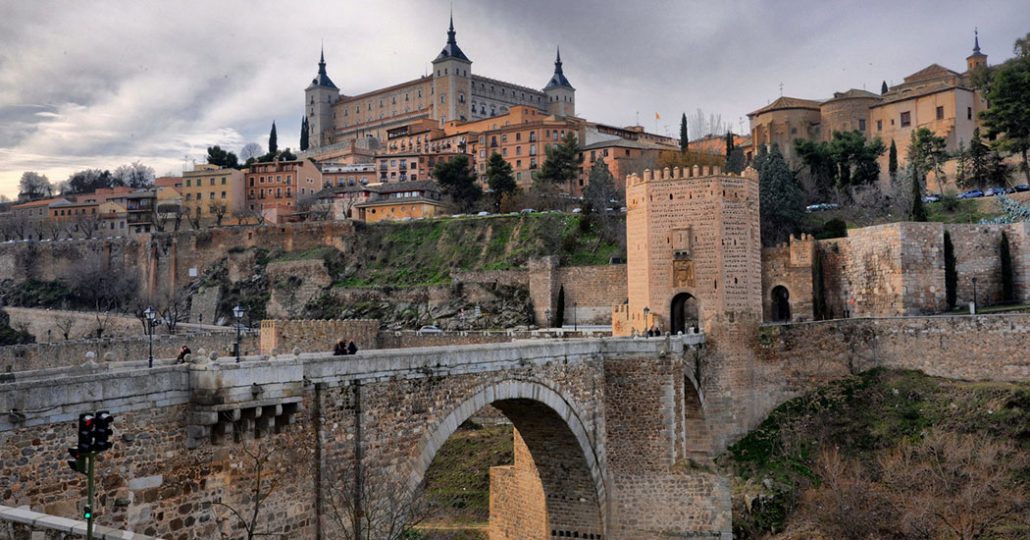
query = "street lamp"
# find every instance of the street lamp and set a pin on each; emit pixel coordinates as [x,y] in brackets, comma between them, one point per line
[150,316]
[547,317]
[238,313]
[974,296]
[647,311]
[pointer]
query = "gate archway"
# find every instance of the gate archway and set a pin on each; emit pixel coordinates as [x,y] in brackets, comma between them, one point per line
[780,304]
[684,313]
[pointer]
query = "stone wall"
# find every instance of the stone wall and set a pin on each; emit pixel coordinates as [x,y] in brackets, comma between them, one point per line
[59,354]
[511,278]
[591,291]
[518,507]
[283,336]
[543,289]
[984,347]
[50,324]
[293,284]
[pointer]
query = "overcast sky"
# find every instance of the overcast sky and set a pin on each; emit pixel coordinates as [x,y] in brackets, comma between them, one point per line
[103,83]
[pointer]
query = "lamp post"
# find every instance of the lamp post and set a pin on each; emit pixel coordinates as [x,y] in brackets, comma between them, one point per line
[575,325]
[238,313]
[150,316]
[974,296]
[647,311]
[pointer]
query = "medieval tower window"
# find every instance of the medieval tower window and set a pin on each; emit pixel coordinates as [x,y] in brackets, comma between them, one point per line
[906,119]
[940,113]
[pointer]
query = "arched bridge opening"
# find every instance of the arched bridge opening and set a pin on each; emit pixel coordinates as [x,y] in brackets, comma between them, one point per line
[554,489]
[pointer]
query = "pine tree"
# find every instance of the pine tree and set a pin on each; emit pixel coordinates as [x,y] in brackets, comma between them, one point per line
[892,160]
[304,134]
[456,179]
[500,178]
[273,144]
[781,201]
[684,137]
[562,163]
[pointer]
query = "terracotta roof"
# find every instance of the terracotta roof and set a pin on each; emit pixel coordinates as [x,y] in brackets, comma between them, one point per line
[788,103]
[40,202]
[854,93]
[399,201]
[933,71]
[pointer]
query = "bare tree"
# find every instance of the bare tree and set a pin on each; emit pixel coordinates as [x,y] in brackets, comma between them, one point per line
[88,224]
[218,210]
[373,504]
[135,175]
[65,325]
[256,215]
[175,308]
[251,150]
[263,488]
[95,283]
[52,229]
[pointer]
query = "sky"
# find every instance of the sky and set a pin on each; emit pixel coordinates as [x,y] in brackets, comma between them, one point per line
[104,83]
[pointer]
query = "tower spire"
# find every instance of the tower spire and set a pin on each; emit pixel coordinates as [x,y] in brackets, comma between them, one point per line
[976,40]
[451,49]
[558,79]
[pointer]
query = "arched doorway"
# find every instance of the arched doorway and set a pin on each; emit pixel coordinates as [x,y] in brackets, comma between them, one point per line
[684,313]
[780,304]
[554,488]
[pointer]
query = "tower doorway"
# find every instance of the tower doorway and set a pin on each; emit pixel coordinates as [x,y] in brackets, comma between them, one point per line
[780,304]
[684,313]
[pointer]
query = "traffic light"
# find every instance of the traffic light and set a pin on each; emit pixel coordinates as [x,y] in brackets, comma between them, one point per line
[102,431]
[87,512]
[85,433]
[78,461]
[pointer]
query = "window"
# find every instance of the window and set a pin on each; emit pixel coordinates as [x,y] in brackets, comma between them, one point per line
[223,194]
[969,113]
[518,164]
[861,124]
[223,180]
[879,125]
[211,181]
[940,113]
[504,151]
[187,182]
[211,196]
[906,119]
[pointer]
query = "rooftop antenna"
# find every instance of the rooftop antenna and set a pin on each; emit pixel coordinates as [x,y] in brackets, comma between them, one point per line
[781,88]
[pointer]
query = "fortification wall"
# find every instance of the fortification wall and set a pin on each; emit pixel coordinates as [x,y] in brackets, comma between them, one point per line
[511,278]
[283,336]
[985,347]
[977,252]
[591,291]
[789,265]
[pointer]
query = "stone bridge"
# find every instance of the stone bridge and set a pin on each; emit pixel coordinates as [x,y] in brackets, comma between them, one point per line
[610,440]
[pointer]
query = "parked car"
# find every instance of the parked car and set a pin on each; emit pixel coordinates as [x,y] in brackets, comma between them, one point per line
[931,198]
[577,210]
[1021,187]
[430,329]
[484,213]
[821,207]
[972,194]
[528,210]
[994,191]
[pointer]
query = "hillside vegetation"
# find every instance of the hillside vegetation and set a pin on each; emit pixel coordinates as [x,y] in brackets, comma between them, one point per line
[887,454]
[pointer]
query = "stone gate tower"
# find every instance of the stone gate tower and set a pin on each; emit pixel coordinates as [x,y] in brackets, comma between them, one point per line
[319,98]
[693,250]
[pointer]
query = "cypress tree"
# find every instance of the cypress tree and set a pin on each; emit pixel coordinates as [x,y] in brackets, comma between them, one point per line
[729,144]
[559,312]
[304,134]
[1007,281]
[273,143]
[883,88]
[918,210]
[684,138]
[892,161]
[950,274]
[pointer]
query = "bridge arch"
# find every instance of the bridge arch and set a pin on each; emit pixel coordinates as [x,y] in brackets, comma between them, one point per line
[551,427]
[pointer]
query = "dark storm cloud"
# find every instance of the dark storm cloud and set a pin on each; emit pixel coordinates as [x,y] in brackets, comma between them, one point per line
[97,84]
